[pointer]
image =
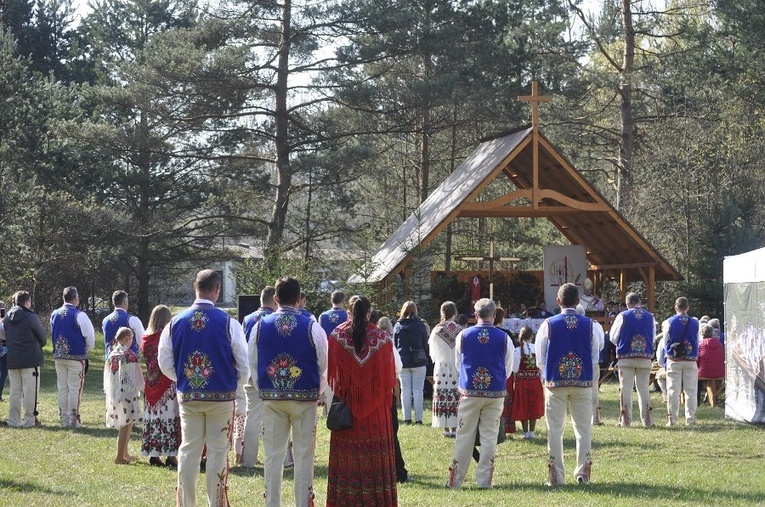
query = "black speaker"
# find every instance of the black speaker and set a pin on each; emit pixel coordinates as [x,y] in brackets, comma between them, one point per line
[246,304]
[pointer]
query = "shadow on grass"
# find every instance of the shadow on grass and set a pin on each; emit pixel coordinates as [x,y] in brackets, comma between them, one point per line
[10,485]
[643,492]
[319,471]
[104,432]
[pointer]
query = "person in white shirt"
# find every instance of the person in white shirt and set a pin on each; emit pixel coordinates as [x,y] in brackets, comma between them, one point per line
[204,351]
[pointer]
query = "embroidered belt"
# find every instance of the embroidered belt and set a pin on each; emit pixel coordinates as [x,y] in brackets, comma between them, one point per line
[527,374]
[276,395]
[482,394]
[71,357]
[568,383]
[633,355]
[206,396]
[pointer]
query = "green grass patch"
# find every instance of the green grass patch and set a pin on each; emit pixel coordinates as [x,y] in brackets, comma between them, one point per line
[716,463]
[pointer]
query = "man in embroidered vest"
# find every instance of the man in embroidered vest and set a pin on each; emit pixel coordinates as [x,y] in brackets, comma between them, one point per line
[121,318]
[254,404]
[682,350]
[288,353]
[204,351]
[485,358]
[632,333]
[566,353]
[332,318]
[73,336]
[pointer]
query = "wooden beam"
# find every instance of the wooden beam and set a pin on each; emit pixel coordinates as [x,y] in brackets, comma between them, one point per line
[652,289]
[516,211]
[634,265]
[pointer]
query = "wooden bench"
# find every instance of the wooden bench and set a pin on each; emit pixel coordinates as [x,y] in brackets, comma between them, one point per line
[715,386]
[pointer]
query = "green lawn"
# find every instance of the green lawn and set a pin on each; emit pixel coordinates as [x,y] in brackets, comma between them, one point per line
[716,463]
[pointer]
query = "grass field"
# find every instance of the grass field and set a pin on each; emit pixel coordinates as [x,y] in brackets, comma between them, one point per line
[717,463]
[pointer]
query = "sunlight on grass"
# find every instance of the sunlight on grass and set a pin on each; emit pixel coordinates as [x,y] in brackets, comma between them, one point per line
[717,463]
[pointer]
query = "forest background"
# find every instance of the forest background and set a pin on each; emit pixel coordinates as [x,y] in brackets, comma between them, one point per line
[142,139]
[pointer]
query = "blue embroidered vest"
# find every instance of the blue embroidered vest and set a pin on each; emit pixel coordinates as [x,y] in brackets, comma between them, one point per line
[250,320]
[569,351]
[636,335]
[306,313]
[482,373]
[68,340]
[330,319]
[110,325]
[683,327]
[204,361]
[288,367]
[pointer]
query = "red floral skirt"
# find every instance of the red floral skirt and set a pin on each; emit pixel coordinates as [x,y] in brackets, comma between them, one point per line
[362,463]
[529,398]
[507,413]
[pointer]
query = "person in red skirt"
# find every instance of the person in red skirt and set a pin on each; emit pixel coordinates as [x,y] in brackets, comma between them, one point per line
[528,398]
[362,371]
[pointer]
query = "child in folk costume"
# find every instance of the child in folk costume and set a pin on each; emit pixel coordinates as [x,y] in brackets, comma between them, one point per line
[529,399]
[123,383]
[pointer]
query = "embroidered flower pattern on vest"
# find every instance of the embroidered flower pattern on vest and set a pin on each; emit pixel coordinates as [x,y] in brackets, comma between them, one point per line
[639,343]
[570,366]
[63,311]
[483,336]
[571,321]
[198,369]
[62,346]
[283,371]
[285,323]
[334,318]
[113,318]
[198,320]
[481,378]
[638,313]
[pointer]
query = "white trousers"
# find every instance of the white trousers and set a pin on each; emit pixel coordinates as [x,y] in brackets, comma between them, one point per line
[682,375]
[252,425]
[412,385]
[278,418]
[204,423]
[23,393]
[579,402]
[70,376]
[481,414]
[635,371]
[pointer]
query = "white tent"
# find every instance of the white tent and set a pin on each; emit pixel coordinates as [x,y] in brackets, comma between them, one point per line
[744,281]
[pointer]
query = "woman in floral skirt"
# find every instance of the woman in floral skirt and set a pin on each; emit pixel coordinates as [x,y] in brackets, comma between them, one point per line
[446,395]
[162,428]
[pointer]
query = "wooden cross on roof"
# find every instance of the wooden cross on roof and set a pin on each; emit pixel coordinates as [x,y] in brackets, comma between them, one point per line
[535,99]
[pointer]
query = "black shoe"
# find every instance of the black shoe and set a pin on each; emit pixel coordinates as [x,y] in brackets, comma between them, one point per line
[171,462]
[203,466]
[156,462]
[408,423]
[418,422]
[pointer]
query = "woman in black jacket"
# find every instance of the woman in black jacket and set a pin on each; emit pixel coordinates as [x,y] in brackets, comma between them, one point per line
[410,336]
[25,337]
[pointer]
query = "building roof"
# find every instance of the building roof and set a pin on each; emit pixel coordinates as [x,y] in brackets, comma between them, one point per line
[561,194]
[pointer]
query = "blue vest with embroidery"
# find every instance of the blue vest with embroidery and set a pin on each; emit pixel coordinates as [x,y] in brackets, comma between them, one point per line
[330,319]
[250,320]
[636,335]
[683,327]
[288,367]
[68,340]
[204,360]
[482,373]
[110,325]
[306,313]
[569,351]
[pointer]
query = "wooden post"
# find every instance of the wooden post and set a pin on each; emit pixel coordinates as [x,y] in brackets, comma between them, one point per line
[652,289]
[535,99]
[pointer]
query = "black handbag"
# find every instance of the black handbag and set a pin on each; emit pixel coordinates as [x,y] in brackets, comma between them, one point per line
[419,357]
[339,416]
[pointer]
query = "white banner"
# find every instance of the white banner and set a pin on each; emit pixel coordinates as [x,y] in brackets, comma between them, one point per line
[563,264]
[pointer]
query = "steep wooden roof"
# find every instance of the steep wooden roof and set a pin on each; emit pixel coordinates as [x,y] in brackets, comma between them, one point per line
[561,194]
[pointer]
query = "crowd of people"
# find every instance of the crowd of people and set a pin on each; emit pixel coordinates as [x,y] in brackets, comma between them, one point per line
[209,382]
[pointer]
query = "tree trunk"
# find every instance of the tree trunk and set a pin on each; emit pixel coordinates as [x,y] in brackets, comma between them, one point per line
[283,170]
[626,142]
